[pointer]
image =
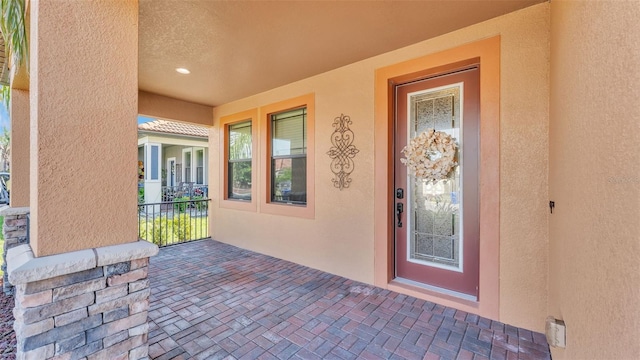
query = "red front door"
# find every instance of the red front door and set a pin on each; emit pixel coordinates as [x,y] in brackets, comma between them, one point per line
[437,223]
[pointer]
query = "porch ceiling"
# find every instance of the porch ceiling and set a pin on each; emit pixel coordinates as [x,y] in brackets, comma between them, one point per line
[239,48]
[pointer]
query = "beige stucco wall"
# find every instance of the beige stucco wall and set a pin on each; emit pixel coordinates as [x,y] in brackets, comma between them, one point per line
[172,151]
[19,148]
[84,91]
[164,107]
[340,239]
[594,254]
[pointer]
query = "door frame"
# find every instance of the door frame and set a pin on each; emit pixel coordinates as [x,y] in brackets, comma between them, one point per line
[487,54]
[175,178]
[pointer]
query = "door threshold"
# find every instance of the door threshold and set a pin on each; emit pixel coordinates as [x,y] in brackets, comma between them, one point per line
[436,289]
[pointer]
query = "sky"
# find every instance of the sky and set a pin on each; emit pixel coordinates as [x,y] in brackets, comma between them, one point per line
[143,119]
[4,118]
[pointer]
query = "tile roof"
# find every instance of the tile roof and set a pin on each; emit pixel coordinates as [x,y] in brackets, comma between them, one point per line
[170,127]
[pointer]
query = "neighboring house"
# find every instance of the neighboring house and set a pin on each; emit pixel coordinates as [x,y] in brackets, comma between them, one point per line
[171,155]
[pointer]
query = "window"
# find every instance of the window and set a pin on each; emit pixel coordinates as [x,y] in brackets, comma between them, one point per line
[289,157]
[280,170]
[200,166]
[239,144]
[239,150]
[186,166]
[153,158]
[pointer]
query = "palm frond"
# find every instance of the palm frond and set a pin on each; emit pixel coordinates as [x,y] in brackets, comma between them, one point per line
[5,96]
[14,32]
[13,27]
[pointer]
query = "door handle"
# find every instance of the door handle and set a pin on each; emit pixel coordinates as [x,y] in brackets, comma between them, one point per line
[399,211]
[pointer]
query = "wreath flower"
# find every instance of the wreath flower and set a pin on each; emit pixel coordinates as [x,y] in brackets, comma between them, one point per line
[430,155]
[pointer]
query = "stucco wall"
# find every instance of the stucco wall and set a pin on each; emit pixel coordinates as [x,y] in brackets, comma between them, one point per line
[340,238]
[594,254]
[84,90]
[169,152]
[172,151]
[163,107]
[19,148]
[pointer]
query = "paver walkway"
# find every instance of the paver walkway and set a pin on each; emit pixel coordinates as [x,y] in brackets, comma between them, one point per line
[211,301]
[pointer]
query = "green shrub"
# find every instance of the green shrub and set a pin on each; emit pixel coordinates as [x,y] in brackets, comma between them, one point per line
[199,205]
[164,231]
[182,206]
[182,226]
[141,195]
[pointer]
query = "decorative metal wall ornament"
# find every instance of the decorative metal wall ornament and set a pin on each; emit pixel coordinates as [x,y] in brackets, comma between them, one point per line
[342,152]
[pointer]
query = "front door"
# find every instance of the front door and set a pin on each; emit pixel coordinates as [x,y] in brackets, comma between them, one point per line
[437,222]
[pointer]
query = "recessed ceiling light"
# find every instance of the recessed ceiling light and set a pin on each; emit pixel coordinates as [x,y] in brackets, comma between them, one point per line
[183,71]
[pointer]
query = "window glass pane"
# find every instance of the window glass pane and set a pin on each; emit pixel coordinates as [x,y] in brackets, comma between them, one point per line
[289,180]
[199,166]
[199,175]
[289,133]
[239,162]
[155,160]
[200,157]
[239,181]
[240,141]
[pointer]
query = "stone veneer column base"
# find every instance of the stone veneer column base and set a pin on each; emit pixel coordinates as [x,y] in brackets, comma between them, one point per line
[15,233]
[88,304]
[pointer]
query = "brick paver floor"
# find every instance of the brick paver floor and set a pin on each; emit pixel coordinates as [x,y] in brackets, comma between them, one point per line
[212,301]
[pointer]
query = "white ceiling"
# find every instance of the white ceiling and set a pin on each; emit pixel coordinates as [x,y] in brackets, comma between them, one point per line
[236,49]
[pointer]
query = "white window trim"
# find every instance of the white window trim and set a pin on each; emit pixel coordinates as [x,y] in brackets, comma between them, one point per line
[184,165]
[194,170]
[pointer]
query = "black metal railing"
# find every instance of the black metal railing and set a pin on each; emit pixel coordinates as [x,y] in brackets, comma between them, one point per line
[184,190]
[174,222]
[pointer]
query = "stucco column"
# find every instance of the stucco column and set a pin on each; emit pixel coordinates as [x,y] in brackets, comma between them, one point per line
[19,148]
[81,286]
[84,100]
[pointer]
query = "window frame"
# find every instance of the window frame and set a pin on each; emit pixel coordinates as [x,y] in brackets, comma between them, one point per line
[184,163]
[229,161]
[225,123]
[175,174]
[282,208]
[195,166]
[291,157]
[148,175]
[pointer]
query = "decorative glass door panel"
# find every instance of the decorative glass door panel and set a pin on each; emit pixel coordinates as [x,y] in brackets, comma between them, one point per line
[437,222]
[434,210]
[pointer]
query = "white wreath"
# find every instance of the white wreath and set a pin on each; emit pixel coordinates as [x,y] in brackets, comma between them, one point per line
[430,155]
